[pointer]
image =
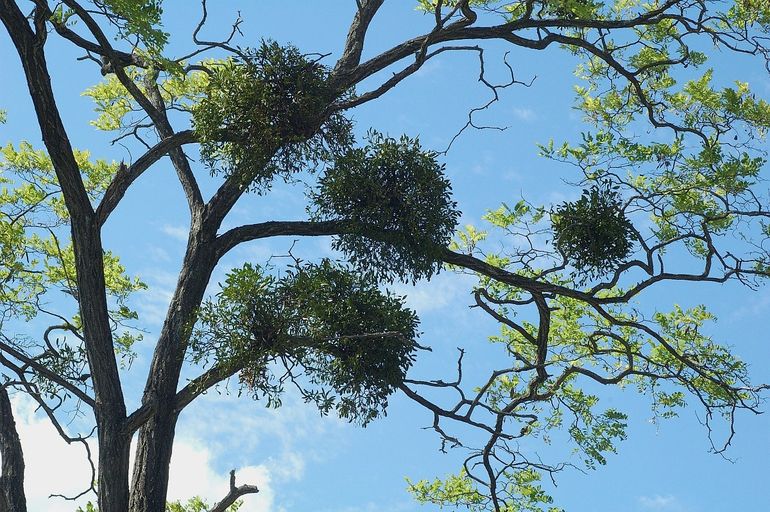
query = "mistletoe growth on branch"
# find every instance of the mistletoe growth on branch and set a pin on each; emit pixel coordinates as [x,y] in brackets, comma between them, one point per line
[682,202]
[593,233]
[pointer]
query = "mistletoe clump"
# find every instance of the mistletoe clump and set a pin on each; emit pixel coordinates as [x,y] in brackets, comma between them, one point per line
[593,233]
[344,343]
[264,114]
[398,203]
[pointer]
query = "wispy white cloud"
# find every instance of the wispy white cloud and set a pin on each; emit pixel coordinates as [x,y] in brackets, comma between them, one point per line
[54,467]
[192,474]
[274,433]
[158,254]
[751,309]
[176,232]
[403,506]
[667,503]
[524,114]
[152,303]
[444,290]
[429,69]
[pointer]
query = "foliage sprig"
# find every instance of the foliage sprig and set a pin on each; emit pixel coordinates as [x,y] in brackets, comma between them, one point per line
[346,344]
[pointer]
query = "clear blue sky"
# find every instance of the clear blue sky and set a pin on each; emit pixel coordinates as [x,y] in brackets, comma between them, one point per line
[313,464]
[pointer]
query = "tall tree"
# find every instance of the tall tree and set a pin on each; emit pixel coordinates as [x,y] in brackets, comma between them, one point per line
[684,197]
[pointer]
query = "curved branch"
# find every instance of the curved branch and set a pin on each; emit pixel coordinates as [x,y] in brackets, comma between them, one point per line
[354,44]
[228,240]
[126,175]
[45,372]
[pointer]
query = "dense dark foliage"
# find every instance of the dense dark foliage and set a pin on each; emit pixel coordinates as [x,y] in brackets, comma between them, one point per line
[264,115]
[396,197]
[345,344]
[593,233]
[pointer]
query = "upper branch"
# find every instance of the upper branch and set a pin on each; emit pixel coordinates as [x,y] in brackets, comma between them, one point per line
[45,372]
[235,236]
[126,175]
[354,45]
[33,60]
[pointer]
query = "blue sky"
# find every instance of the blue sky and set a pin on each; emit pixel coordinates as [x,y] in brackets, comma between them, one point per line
[304,462]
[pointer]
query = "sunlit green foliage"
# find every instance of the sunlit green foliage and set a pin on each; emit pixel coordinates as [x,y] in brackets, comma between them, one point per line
[139,18]
[37,258]
[346,344]
[460,491]
[195,504]
[114,104]
[263,115]
[398,203]
[680,197]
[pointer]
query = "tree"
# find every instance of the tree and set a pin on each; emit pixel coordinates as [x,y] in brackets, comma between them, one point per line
[685,197]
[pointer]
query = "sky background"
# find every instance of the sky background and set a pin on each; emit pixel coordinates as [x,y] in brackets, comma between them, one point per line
[304,462]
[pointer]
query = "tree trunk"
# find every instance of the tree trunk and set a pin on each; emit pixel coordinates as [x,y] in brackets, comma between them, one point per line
[12,497]
[151,467]
[156,436]
[110,409]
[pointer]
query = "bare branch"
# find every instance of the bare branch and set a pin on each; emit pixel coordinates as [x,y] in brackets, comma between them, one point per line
[234,494]
[45,372]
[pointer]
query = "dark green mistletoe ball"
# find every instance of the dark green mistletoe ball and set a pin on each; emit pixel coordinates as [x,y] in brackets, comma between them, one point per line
[363,338]
[331,332]
[593,233]
[264,115]
[399,204]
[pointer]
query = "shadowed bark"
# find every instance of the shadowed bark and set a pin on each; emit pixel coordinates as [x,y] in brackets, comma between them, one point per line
[12,497]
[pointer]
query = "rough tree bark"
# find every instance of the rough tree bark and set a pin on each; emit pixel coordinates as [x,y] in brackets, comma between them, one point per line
[156,436]
[110,409]
[12,498]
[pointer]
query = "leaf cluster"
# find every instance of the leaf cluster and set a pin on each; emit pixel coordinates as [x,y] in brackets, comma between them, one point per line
[521,485]
[37,261]
[195,504]
[264,114]
[345,344]
[593,233]
[139,18]
[398,203]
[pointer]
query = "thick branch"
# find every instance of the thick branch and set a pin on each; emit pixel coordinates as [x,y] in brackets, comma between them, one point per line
[184,397]
[110,408]
[354,45]
[241,234]
[52,129]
